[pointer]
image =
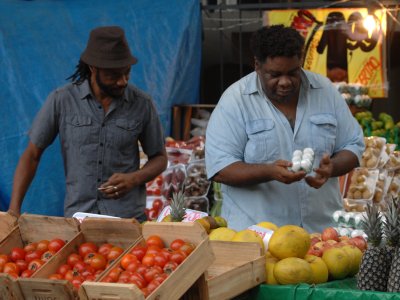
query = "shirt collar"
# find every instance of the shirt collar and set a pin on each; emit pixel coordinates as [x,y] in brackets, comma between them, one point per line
[86,92]
[307,81]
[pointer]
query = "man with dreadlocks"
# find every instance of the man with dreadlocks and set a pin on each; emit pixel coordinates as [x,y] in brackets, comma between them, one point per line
[261,120]
[100,119]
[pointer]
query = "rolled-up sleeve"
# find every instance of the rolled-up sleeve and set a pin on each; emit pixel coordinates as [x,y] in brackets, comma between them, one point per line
[225,137]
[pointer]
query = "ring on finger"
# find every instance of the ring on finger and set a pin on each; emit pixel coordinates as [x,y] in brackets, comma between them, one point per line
[115,188]
[116,194]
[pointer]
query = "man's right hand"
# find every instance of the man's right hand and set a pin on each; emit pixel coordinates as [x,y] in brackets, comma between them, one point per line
[282,174]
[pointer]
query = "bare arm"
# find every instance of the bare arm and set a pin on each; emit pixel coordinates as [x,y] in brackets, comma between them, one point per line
[242,174]
[124,182]
[24,174]
[339,164]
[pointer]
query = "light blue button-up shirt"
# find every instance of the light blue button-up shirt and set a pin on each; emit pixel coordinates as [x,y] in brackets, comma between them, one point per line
[245,126]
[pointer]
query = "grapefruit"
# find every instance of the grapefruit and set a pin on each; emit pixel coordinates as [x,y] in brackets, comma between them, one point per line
[268,225]
[355,255]
[292,270]
[269,269]
[289,241]
[222,234]
[337,261]
[248,235]
[319,269]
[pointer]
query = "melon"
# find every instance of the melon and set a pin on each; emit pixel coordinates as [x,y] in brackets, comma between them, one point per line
[338,262]
[319,269]
[289,241]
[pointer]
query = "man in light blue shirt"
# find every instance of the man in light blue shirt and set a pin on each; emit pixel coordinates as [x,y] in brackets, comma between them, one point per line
[261,120]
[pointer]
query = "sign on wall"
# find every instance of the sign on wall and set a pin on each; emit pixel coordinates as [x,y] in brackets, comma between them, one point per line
[339,46]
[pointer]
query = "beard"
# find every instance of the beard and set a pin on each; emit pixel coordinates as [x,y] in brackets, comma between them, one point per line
[111,90]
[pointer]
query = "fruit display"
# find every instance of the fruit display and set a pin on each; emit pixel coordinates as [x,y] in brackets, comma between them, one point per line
[384,126]
[295,256]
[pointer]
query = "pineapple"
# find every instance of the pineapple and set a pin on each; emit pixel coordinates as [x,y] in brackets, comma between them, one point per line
[394,274]
[374,269]
[177,207]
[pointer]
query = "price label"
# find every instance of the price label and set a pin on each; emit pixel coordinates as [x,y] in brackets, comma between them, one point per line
[190,216]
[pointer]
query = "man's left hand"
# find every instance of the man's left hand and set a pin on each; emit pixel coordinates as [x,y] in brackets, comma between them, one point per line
[322,174]
[117,185]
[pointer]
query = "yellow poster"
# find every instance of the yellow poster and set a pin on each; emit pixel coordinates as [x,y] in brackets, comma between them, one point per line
[339,46]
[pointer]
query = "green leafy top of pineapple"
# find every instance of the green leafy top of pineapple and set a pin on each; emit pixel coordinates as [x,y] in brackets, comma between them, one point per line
[391,224]
[178,205]
[372,225]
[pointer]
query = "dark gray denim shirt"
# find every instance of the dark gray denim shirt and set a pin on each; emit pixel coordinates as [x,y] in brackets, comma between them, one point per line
[96,145]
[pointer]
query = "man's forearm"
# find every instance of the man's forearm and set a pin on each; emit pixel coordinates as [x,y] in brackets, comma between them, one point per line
[343,162]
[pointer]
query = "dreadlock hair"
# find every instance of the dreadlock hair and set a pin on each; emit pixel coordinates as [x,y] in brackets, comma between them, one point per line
[276,40]
[82,73]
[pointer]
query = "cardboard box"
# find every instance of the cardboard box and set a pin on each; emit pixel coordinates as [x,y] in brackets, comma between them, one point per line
[32,228]
[237,268]
[119,232]
[7,224]
[178,282]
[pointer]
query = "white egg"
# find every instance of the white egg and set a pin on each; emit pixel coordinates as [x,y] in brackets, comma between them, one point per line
[308,150]
[297,153]
[306,165]
[308,156]
[296,166]
[337,215]
[296,159]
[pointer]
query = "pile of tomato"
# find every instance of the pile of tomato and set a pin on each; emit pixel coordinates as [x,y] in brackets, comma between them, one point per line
[24,262]
[88,263]
[148,264]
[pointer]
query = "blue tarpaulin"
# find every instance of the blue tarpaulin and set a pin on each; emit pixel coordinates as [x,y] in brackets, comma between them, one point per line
[40,45]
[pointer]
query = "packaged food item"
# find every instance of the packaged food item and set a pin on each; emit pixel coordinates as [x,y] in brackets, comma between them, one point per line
[362,184]
[173,180]
[381,186]
[393,162]
[374,147]
[303,160]
[197,203]
[196,183]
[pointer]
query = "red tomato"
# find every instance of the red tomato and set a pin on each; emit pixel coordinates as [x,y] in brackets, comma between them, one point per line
[139,251]
[88,258]
[166,252]
[30,247]
[177,257]
[86,248]
[187,248]
[26,273]
[153,250]
[145,291]
[35,254]
[160,260]
[161,277]
[73,258]
[157,204]
[105,249]
[133,266]
[141,269]
[151,273]
[47,255]
[169,267]
[10,267]
[98,262]
[153,285]
[176,244]
[137,277]
[77,281]
[35,264]
[152,214]
[148,260]
[124,277]
[114,252]
[22,265]
[79,267]
[114,274]
[56,276]
[108,279]
[62,270]
[56,244]
[17,254]
[155,240]
[128,259]
[43,245]
[3,259]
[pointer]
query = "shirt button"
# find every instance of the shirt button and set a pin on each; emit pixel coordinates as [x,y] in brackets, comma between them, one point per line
[101,144]
[100,107]
[102,124]
[98,180]
[99,162]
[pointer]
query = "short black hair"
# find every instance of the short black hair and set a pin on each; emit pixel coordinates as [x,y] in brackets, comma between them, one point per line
[276,40]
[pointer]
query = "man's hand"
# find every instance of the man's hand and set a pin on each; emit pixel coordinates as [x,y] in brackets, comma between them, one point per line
[282,174]
[117,185]
[322,174]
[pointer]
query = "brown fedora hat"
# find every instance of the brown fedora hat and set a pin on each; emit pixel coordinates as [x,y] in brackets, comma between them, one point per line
[108,48]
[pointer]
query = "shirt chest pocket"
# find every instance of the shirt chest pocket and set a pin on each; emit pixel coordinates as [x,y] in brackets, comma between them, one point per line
[263,143]
[323,132]
[79,130]
[127,133]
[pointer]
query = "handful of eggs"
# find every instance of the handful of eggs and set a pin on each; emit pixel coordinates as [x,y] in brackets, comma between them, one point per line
[303,160]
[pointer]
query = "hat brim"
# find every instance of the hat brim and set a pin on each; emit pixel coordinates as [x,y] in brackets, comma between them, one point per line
[108,64]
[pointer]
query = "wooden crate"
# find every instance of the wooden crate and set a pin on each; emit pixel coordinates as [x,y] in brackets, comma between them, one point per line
[119,232]
[7,224]
[178,282]
[237,268]
[32,228]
